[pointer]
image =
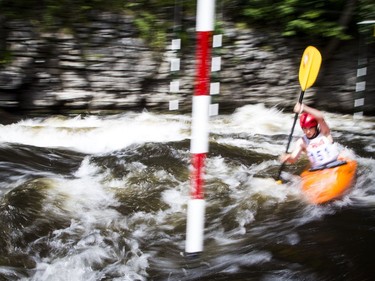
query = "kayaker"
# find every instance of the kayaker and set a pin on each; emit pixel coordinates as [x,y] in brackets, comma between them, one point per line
[317,141]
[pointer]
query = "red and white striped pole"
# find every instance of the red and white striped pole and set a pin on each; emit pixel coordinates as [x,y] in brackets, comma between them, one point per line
[199,127]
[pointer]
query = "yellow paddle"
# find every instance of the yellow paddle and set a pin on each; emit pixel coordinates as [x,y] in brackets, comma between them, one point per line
[308,72]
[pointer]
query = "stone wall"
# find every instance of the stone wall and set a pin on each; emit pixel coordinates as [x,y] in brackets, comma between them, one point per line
[105,65]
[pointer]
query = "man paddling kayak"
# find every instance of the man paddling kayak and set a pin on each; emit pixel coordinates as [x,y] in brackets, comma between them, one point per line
[317,141]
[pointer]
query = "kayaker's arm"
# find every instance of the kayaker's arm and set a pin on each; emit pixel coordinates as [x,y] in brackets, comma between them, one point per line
[293,157]
[323,127]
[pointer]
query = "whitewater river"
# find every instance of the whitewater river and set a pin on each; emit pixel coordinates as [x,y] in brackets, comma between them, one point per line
[104,198]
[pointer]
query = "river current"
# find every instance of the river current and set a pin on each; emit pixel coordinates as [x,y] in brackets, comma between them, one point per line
[104,198]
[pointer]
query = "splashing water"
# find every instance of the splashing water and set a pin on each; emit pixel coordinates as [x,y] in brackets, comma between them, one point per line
[104,198]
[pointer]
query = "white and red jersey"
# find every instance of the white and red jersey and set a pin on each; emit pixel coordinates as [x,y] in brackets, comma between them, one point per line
[320,150]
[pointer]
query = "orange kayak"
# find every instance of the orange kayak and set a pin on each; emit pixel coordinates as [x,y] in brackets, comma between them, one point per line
[326,184]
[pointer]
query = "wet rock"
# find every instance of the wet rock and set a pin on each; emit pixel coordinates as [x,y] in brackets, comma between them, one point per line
[106,58]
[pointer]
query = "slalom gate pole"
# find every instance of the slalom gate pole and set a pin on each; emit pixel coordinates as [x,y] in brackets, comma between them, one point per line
[199,127]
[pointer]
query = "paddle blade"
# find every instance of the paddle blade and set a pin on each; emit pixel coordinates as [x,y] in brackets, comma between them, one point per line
[309,68]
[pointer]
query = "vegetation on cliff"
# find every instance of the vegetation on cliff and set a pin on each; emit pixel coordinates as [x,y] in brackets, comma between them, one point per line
[332,19]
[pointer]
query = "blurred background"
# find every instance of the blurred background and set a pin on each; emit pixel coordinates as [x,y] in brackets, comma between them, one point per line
[115,55]
[94,187]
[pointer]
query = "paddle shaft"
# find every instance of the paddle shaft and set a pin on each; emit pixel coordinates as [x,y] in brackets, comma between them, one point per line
[291,133]
[308,72]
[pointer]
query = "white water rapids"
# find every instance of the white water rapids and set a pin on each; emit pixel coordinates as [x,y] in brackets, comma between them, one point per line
[113,193]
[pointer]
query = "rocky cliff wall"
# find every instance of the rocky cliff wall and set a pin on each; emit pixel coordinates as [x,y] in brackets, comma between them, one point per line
[105,65]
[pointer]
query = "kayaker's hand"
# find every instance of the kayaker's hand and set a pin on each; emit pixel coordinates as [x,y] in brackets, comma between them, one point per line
[284,158]
[298,108]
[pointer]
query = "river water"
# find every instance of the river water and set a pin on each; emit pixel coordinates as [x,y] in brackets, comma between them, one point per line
[104,198]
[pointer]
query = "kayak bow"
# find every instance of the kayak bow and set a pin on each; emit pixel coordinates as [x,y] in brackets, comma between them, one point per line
[324,185]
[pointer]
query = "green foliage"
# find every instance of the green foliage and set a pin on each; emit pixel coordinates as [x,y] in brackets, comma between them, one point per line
[49,13]
[318,18]
[366,12]
[5,57]
[151,29]
[155,18]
